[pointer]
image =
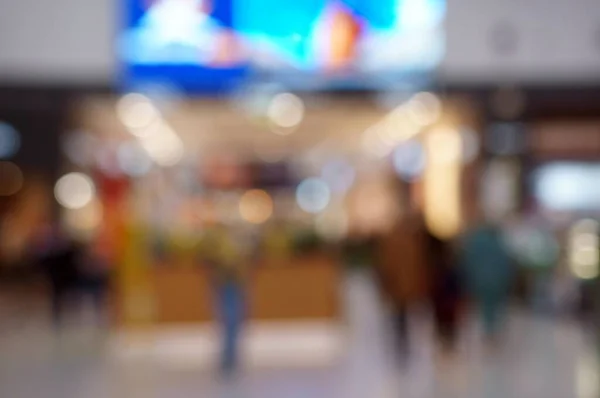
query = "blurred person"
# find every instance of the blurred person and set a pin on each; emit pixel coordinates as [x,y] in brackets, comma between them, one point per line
[565,292]
[73,270]
[59,259]
[489,274]
[223,252]
[445,289]
[402,273]
[94,279]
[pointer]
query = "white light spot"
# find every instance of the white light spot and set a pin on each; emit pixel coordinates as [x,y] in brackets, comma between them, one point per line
[424,109]
[313,195]
[286,110]
[584,256]
[137,112]
[165,147]
[74,190]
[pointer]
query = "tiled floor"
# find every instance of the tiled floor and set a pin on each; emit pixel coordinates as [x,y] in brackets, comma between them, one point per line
[539,358]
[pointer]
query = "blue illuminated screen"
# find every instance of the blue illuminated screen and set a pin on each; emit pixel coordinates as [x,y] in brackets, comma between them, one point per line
[221,42]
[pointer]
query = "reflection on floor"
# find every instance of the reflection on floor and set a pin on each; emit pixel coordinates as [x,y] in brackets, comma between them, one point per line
[540,358]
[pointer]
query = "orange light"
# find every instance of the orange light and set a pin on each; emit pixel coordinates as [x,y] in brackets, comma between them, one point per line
[256,206]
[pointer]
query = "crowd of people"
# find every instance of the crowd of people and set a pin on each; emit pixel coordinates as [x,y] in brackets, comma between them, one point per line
[415,268]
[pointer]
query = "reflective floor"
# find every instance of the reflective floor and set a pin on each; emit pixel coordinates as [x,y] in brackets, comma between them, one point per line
[539,358]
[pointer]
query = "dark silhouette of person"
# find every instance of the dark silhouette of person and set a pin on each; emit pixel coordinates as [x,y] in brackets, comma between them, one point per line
[402,273]
[60,263]
[445,289]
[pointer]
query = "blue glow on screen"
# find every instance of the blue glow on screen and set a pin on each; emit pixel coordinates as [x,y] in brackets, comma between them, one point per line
[190,44]
[211,44]
[386,35]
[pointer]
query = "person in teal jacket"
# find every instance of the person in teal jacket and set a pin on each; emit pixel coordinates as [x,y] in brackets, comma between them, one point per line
[488,272]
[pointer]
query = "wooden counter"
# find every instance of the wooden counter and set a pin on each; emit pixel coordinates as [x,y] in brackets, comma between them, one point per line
[306,288]
[300,288]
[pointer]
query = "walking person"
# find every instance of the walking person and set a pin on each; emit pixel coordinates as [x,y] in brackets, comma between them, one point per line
[445,290]
[224,255]
[59,258]
[402,274]
[489,274]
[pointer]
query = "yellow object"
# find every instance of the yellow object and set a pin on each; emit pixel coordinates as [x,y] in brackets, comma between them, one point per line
[134,277]
[442,182]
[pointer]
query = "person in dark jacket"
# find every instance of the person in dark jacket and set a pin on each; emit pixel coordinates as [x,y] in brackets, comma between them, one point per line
[403,274]
[60,264]
[445,289]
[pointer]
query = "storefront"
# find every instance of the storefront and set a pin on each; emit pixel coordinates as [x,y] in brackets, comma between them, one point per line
[149,183]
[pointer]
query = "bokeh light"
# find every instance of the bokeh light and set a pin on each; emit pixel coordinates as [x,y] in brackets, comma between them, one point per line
[164,146]
[286,110]
[10,141]
[313,195]
[256,206]
[137,112]
[11,178]
[74,190]
[339,175]
[584,245]
[442,182]
[133,160]
[446,146]
[398,127]
[375,145]
[409,160]
[424,108]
